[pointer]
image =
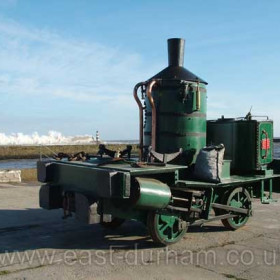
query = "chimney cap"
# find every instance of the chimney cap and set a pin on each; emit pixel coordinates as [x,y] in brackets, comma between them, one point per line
[176,47]
[175,70]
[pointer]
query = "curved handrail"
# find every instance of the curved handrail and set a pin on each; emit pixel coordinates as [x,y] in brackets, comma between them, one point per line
[154,118]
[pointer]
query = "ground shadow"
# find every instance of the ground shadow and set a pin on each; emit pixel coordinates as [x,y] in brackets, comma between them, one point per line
[31,229]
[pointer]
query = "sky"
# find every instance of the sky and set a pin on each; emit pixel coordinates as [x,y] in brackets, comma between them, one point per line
[71,65]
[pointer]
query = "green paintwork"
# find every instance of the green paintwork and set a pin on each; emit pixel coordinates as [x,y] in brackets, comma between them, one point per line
[264,198]
[262,157]
[239,198]
[167,227]
[96,182]
[107,181]
[243,142]
[128,213]
[122,166]
[179,123]
[234,180]
[226,169]
[153,194]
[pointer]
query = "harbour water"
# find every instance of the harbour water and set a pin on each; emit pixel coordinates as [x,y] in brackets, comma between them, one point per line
[31,163]
[276,150]
[18,163]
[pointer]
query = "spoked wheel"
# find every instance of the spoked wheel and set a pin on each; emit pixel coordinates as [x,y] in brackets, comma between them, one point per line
[239,198]
[165,229]
[115,223]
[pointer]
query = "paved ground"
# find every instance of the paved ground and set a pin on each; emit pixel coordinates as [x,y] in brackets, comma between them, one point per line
[38,244]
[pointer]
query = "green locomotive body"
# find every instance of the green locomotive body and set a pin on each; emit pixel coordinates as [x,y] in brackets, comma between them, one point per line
[159,188]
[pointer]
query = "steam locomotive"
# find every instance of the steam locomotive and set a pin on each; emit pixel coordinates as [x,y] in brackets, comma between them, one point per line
[189,171]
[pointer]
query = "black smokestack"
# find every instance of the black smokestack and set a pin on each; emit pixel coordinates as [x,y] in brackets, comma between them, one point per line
[176,48]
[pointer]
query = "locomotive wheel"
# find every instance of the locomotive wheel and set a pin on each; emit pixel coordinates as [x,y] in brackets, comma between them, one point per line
[115,223]
[240,198]
[165,229]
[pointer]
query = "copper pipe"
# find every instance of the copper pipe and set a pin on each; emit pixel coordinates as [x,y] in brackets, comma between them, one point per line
[154,117]
[141,108]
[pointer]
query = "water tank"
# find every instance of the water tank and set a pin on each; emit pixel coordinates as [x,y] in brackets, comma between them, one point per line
[248,143]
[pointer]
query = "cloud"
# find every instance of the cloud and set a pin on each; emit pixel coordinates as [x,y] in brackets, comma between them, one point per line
[71,85]
[39,62]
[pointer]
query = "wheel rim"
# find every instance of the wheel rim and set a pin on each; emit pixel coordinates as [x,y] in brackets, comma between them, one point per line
[241,199]
[168,228]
